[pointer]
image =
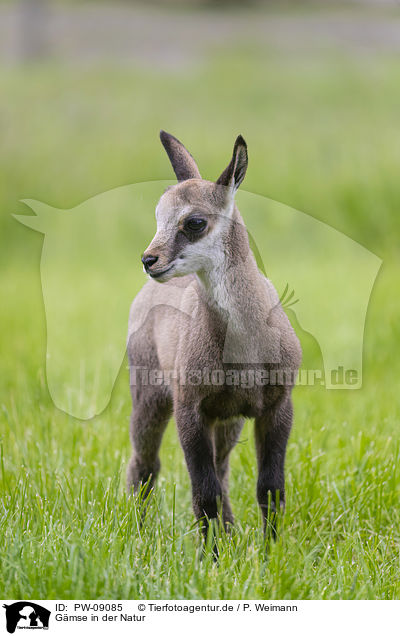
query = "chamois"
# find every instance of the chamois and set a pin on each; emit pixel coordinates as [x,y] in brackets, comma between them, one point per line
[210,345]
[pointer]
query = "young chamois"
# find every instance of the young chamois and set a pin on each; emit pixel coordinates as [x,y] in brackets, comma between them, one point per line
[217,340]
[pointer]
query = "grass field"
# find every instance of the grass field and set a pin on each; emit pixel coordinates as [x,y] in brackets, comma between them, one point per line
[323,137]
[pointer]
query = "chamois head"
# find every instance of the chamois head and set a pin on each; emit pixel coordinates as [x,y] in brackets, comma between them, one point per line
[193,216]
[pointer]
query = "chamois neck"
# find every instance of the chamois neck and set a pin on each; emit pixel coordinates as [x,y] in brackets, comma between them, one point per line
[233,285]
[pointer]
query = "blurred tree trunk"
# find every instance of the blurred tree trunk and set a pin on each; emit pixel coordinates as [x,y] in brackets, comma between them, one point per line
[33,44]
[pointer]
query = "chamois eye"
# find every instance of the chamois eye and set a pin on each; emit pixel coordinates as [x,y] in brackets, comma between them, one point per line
[195,224]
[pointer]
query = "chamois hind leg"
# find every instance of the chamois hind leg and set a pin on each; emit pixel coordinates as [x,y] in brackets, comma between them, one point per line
[152,407]
[272,433]
[226,435]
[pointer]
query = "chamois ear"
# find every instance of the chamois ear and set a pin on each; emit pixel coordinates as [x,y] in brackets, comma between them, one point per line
[234,173]
[182,161]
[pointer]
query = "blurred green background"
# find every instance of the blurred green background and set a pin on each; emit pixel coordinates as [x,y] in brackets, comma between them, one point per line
[316,93]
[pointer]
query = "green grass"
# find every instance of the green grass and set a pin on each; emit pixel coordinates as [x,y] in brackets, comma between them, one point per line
[322,135]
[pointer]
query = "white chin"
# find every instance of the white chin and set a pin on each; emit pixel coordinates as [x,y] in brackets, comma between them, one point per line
[165,277]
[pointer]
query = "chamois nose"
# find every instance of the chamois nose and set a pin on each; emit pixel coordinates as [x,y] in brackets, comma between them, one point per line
[149,260]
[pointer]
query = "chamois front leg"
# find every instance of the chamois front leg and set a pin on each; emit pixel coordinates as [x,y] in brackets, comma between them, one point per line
[272,433]
[196,441]
[226,435]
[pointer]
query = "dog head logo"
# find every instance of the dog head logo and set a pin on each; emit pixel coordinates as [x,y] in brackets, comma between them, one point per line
[90,268]
[26,615]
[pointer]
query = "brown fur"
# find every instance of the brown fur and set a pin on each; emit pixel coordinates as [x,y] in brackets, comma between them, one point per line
[223,314]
